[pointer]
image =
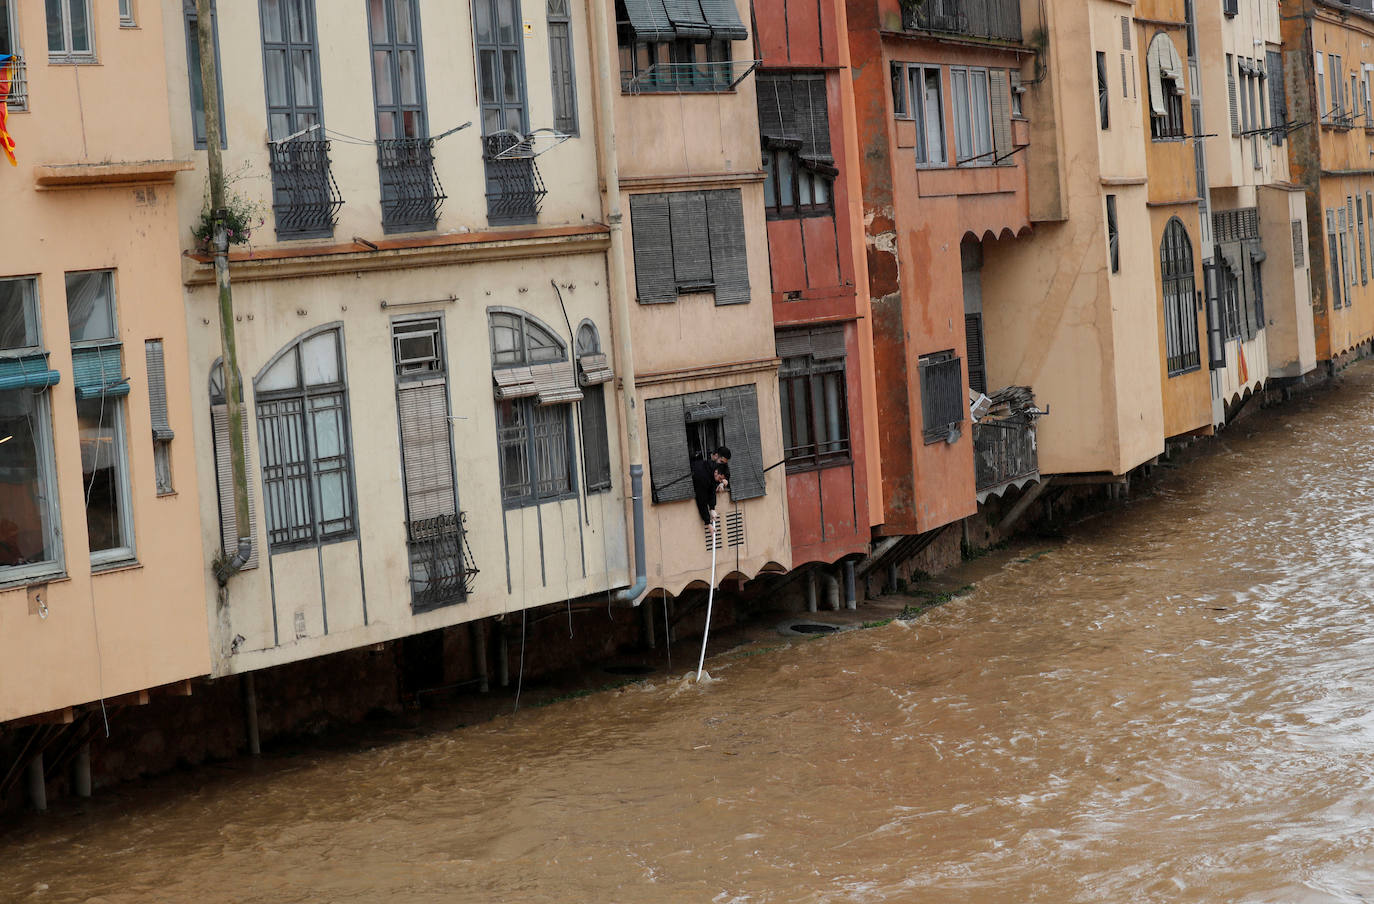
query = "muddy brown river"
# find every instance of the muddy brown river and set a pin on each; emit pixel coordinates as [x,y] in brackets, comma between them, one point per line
[1175,703]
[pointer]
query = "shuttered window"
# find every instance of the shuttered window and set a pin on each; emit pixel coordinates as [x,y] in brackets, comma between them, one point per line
[1180,319]
[1299,245]
[1278,97]
[811,384]
[157,411]
[943,399]
[594,373]
[1000,86]
[794,126]
[561,70]
[689,242]
[1232,95]
[670,421]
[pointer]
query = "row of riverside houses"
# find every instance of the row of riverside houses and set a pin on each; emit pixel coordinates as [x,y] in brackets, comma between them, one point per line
[912,262]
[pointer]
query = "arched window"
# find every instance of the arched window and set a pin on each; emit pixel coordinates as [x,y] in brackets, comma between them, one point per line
[1180,320]
[304,443]
[1166,89]
[535,385]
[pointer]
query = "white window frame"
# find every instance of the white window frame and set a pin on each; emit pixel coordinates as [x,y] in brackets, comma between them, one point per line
[67,54]
[916,111]
[126,14]
[969,118]
[126,554]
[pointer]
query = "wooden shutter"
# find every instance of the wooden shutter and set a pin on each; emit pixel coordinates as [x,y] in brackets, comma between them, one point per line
[99,371]
[1000,97]
[742,436]
[729,258]
[777,117]
[596,453]
[426,456]
[973,339]
[813,116]
[1125,32]
[652,235]
[1216,339]
[157,390]
[224,476]
[691,246]
[670,472]
[1299,255]
[688,21]
[1278,96]
[724,20]
[1231,90]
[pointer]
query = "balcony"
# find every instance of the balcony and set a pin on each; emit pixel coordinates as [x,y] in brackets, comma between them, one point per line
[411,192]
[1003,455]
[305,198]
[441,566]
[998,20]
[515,190]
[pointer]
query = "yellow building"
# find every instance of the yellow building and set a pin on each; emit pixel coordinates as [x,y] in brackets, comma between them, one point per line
[101,595]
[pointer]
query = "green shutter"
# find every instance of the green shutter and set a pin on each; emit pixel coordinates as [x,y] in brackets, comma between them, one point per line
[670,473]
[651,232]
[742,436]
[687,18]
[724,20]
[97,371]
[27,372]
[725,213]
[649,20]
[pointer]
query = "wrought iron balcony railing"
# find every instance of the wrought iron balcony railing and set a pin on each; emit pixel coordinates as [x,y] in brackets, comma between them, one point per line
[995,19]
[688,78]
[411,192]
[17,100]
[515,190]
[441,566]
[1003,454]
[305,198]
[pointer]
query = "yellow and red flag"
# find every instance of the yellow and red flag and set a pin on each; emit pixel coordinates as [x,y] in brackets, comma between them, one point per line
[6,141]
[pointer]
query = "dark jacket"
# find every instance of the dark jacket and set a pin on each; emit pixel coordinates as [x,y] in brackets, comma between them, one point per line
[704,487]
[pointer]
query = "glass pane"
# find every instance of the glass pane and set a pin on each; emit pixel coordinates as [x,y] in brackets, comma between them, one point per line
[276,79]
[303,76]
[587,341]
[101,470]
[982,114]
[81,27]
[328,431]
[491,120]
[934,118]
[505,339]
[332,496]
[510,79]
[6,41]
[26,534]
[822,186]
[281,376]
[412,124]
[834,412]
[540,345]
[805,197]
[297,22]
[405,25]
[770,185]
[280,124]
[408,77]
[320,359]
[785,394]
[484,24]
[18,317]
[787,165]
[376,13]
[963,135]
[90,305]
[381,75]
[56,42]
[271,20]
[488,66]
[386,125]
[505,10]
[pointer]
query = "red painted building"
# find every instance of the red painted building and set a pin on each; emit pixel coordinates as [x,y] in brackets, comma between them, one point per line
[941,136]
[814,237]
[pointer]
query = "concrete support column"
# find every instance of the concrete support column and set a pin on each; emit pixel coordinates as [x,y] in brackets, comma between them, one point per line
[38,791]
[892,577]
[502,656]
[832,589]
[479,654]
[811,591]
[81,772]
[851,600]
[249,684]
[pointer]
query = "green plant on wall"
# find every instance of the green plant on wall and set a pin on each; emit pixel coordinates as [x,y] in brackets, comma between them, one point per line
[241,215]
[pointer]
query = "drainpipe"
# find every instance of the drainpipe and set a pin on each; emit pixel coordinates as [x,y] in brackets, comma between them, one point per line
[231,562]
[609,165]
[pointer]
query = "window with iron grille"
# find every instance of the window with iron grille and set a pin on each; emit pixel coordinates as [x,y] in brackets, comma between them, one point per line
[811,385]
[1231,304]
[677,47]
[944,400]
[189,17]
[304,443]
[1113,235]
[515,189]
[794,126]
[17,96]
[562,73]
[1166,89]
[1180,319]
[1257,288]
[1103,103]
[687,242]
[71,31]
[305,198]
[411,193]
[680,426]
[534,388]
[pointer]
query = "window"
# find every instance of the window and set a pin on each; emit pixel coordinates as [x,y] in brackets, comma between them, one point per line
[1180,321]
[1333,253]
[69,31]
[944,401]
[97,373]
[562,73]
[188,10]
[1257,285]
[157,407]
[30,535]
[1336,80]
[687,242]
[593,375]
[681,425]
[971,267]
[926,106]
[1320,69]
[440,567]
[972,117]
[513,185]
[811,384]
[1234,94]
[534,386]
[1299,244]
[1113,236]
[1369,207]
[1359,226]
[1103,113]
[17,99]
[794,124]
[304,443]
[126,14]
[677,47]
[1166,89]
[1347,265]
[1231,306]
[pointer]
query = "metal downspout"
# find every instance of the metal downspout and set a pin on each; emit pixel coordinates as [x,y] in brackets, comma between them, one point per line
[609,165]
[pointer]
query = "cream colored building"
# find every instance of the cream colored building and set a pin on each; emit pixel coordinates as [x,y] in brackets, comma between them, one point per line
[423,322]
[101,593]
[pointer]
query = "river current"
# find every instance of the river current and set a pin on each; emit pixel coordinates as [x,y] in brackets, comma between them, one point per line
[1174,703]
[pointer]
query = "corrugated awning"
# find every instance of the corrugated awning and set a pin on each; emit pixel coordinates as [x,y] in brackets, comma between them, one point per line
[691,20]
[650,21]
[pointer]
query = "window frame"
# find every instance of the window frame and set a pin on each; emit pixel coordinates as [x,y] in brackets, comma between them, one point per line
[292,108]
[562,17]
[933,430]
[1113,235]
[190,17]
[69,55]
[812,377]
[973,116]
[915,110]
[1103,93]
[1178,287]
[127,14]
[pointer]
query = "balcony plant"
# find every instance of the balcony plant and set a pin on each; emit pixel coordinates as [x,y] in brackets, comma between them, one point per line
[241,216]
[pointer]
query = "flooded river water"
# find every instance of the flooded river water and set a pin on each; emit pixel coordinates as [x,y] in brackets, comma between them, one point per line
[1175,703]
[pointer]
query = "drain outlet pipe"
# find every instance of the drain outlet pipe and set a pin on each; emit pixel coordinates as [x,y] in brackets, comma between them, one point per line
[609,165]
[710,597]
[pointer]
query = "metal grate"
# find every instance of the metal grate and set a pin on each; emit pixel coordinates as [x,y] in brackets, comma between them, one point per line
[1003,451]
[305,198]
[441,563]
[999,19]
[412,195]
[1299,258]
[17,101]
[942,394]
[515,190]
[731,531]
[1235,225]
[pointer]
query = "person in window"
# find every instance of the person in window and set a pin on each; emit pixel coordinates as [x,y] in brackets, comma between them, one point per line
[708,478]
[721,456]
